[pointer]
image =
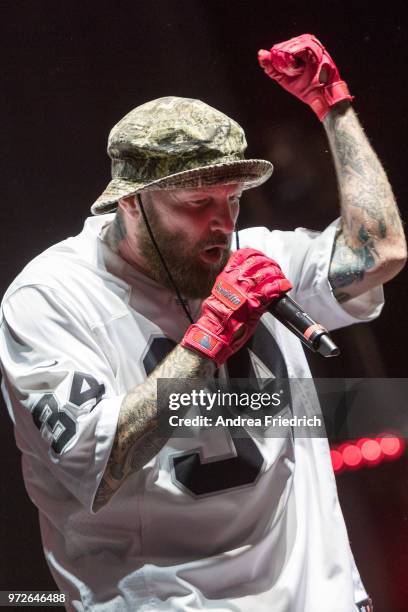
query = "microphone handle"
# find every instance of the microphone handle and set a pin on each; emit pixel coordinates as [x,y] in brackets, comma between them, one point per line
[312,334]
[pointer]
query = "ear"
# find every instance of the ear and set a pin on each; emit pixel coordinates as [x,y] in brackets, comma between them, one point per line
[129,207]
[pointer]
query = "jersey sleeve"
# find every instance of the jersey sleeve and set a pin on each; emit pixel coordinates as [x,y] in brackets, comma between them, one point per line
[310,265]
[59,388]
[305,256]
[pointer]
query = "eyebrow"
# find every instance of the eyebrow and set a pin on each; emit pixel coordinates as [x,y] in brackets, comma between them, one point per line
[201,197]
[209,194]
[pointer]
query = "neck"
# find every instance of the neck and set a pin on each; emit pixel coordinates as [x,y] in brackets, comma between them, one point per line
[114,232]
[115,236]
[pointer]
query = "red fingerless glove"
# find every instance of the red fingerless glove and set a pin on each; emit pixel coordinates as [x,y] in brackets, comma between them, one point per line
[241,294]
[302,66]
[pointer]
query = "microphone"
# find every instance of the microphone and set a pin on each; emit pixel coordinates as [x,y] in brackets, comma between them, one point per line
[312,334]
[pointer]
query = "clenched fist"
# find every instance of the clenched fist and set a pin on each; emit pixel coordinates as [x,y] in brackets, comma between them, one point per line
[241,294]
[303,67]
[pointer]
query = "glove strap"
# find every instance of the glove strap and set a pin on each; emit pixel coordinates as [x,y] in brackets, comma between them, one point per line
[336,92]
[203,341]
[333,93]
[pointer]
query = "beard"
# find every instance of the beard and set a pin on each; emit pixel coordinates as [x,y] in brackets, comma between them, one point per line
[193,277]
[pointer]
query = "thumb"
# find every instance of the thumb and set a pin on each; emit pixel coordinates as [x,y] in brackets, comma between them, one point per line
[264,57]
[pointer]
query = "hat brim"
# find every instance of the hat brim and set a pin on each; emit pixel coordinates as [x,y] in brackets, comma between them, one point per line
[248,172]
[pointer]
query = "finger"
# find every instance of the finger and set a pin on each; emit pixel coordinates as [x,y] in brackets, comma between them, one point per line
[285,62]
[271,289]
[240,257]
[310,54]
[264,57]
[301,43]
[255,266]
[269,273]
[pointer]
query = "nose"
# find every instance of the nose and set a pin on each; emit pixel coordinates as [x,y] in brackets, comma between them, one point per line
[224,215]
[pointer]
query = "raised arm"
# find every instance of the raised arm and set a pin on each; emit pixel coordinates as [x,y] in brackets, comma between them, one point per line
[370,246]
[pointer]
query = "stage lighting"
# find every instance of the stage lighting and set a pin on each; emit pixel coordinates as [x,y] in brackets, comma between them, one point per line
[366,452]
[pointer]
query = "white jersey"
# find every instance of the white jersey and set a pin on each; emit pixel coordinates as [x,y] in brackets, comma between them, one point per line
[209,523]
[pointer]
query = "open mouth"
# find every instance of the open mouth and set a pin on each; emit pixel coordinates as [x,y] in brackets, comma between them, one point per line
[212,255]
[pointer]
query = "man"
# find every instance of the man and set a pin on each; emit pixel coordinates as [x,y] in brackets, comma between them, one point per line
[131,520]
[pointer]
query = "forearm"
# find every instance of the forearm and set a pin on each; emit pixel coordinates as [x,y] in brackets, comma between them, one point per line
[370,247]
[137,438]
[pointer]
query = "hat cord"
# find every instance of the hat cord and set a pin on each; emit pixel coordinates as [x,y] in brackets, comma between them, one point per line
[156,246]
[236,236]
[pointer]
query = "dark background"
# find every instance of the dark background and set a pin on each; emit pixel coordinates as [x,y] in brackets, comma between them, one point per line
[71,70]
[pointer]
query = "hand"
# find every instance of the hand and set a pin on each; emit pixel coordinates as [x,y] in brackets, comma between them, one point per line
[303,67]
[241,294]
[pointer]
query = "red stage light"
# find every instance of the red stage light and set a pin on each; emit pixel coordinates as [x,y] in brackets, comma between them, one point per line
[371,452]
[337,460]
[366,451]
[352,456]
[391,446]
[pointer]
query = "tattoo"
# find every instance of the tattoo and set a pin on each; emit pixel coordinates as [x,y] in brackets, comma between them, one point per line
[382,229]
[138,438]
[349,264]
[371,228]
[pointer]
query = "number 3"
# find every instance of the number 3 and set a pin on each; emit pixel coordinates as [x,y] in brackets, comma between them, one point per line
[211,477]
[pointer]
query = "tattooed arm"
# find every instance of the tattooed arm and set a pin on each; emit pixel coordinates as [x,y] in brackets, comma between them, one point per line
[137,439]
[370,246]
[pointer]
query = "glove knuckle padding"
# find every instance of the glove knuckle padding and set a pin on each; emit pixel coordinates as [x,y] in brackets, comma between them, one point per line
[268,291]
[297,65]
[252,273]
[238,258]
[238,299]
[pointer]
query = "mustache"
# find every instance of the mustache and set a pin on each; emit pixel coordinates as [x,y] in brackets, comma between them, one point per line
[217,240]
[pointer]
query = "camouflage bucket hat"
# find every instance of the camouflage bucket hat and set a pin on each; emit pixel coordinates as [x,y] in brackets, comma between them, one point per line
[177,143]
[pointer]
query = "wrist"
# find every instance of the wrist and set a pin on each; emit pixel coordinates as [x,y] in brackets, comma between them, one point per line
[340,109]
[206,344]
[341,115]
[201,364]
[325,99]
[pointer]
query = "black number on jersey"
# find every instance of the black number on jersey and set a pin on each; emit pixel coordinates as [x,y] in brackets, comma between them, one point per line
[60,424]
[157,350]
[216,476]
[260,356]
[85,388]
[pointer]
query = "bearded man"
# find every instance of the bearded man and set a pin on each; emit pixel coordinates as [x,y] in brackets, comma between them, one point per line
[155,287]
